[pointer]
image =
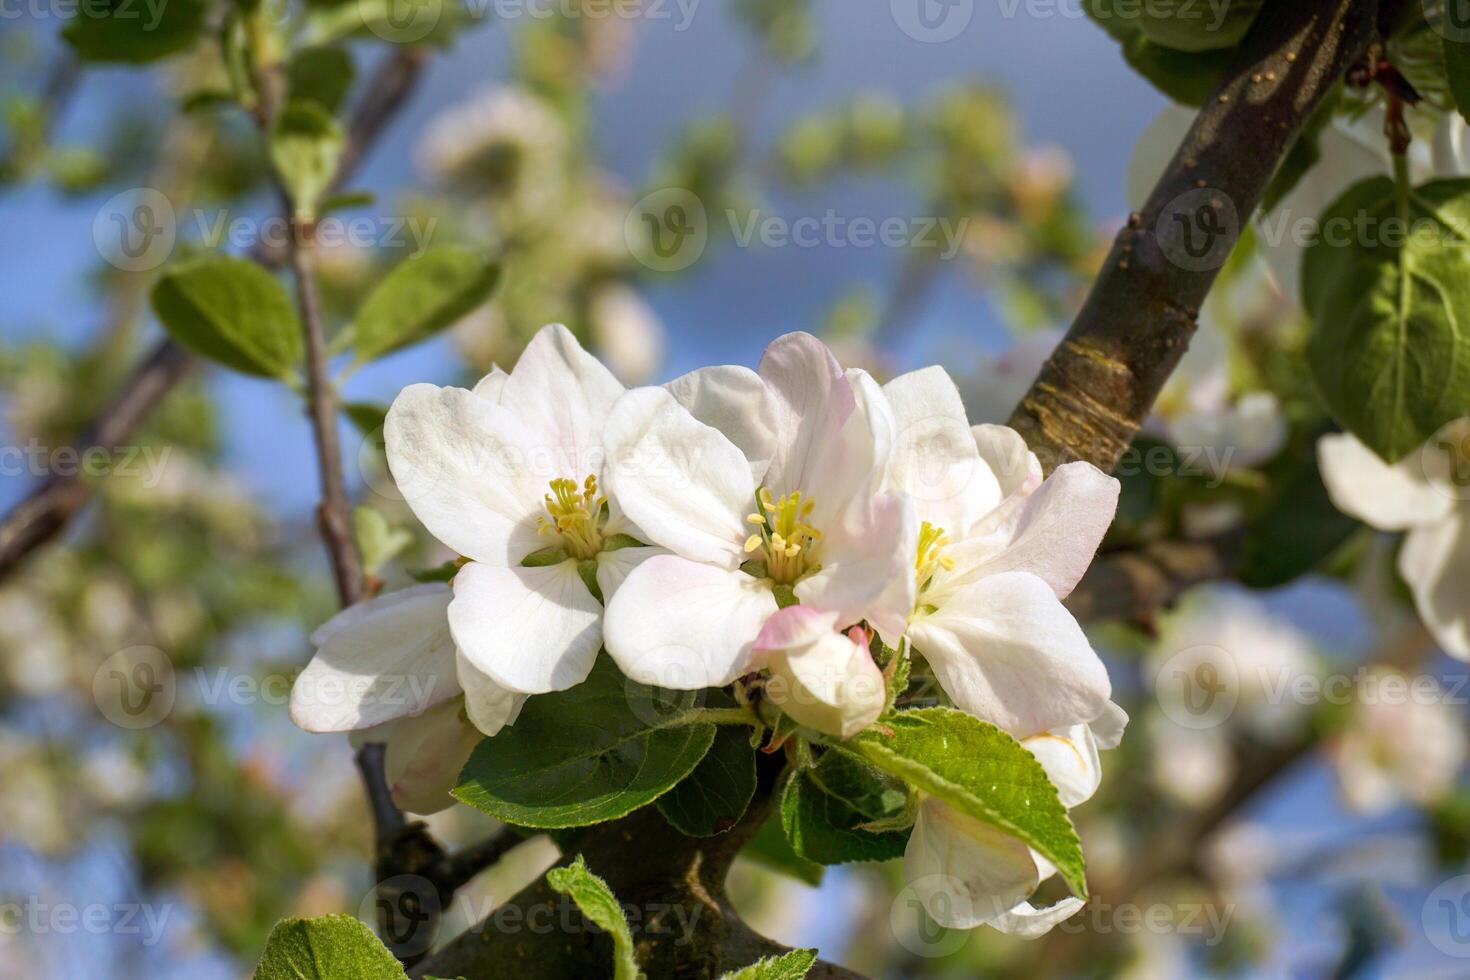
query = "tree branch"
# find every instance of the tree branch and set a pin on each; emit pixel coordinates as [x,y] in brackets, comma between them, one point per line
[1101,381]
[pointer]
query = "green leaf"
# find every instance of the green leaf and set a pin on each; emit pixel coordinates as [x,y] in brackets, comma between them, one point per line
[868,791]
[1457,68]
[1186,77]
[366,417]
[329,947]
[770,848]
[598,904]
[1390,344]
[825,829]
[306,145]
[439,573]
[792,966]
[585,755]
[320,75]
[1199,26]
[232,311]
[980,771]
[421,296]
[379,542]
[132,31]
[712,798]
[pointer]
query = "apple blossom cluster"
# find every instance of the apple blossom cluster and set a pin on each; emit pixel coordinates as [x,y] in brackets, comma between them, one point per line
[799,535]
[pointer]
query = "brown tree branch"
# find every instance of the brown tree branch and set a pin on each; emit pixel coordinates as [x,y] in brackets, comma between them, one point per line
[1101,381]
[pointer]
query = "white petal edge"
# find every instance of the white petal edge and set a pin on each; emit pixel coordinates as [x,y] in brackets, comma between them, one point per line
[734,400]
[1390,497]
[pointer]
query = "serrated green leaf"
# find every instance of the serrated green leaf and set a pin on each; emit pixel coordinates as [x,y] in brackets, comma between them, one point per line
[598,904]
[712,798]
[586,755]
[378,541]
[134,32]
[1390,345]
[826,830]
[421,296]
[306,146]
[791,966]
[329,947]
[981,771]
[231,311]
[869,791]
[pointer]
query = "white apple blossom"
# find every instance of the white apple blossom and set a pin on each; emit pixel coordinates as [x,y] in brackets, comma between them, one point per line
[510,475]
[626,331]
[387,670]
[756,484]
[998,549]
[1425,494]
[967,873]
[1399,749]
[823,679]
[501,140]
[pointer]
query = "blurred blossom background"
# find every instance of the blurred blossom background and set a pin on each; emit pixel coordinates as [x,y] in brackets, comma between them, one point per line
[1300,830]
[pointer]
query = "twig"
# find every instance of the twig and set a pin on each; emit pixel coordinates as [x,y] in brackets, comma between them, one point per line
[51,506]
[1101,381]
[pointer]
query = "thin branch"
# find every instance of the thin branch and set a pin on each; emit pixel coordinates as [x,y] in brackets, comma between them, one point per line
[1101,381]
[51,506]
[391,86]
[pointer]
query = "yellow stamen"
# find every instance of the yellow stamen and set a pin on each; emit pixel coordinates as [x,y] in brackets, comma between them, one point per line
[576,517]
[787,541]
[931,557]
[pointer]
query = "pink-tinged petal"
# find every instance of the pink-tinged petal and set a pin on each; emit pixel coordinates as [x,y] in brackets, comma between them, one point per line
[1052,533]
[736,401]
[530,630]
[1388,496]
[965,872]
[460,462]
[682,482]
[867,558]
[390,657]
[562,394]
[936,462]
[795,626]
[685,626]
[1006,650]
[1435,561]
[1016,467]
[813,402]
[425,755]
[823,679]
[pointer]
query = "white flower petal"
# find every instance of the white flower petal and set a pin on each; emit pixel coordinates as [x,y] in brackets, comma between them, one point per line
[867,565]
[1026,921]
[563,394]
[821,678]
[1435,561]
[1016,467]
[736,401]
[1390,497]
[424,756]
[1052,533]
[459,461]
[386,658]
[685,626]
[613,567]
[965,872]
[491,385]
[1071,761]
[1006,650]
[531,630]
[681,481]
[1108,727]
[490,707]
[936,461]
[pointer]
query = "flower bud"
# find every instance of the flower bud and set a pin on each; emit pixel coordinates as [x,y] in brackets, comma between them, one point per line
[821,678]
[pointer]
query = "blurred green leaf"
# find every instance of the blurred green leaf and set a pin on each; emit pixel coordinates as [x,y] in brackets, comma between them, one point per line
[134,32]
[330,947]
[322,75]
[305,146]
[232,311]
[421,296]
[377,540]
